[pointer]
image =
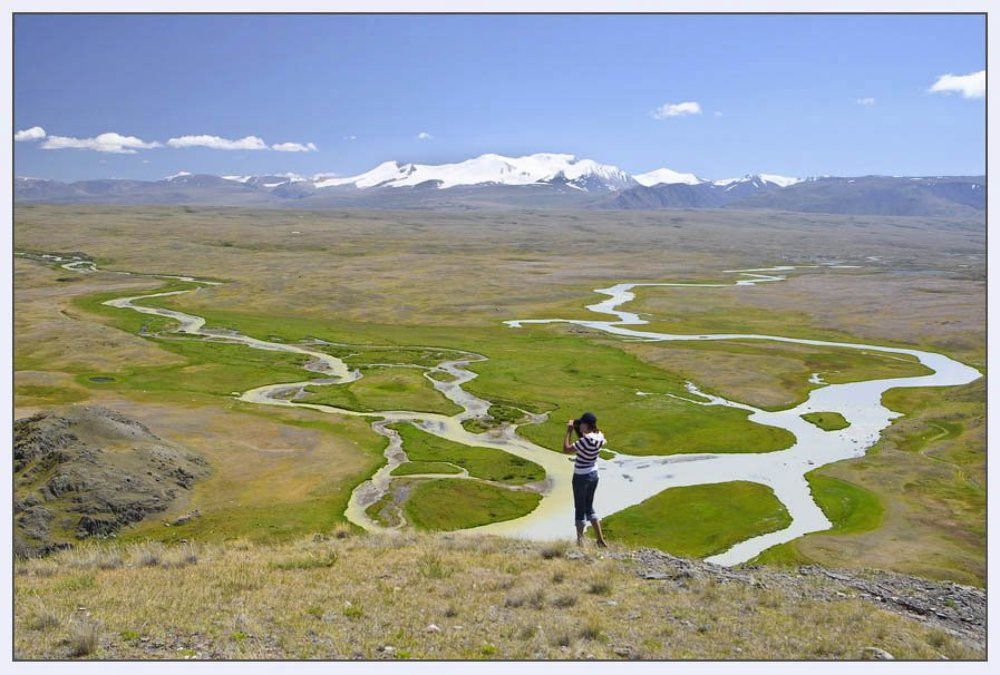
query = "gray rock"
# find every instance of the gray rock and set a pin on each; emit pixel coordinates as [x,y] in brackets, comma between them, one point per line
[876,654]
[63,474]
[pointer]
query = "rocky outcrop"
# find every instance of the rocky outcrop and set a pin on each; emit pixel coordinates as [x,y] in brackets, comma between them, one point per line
[87,472]
[955,608]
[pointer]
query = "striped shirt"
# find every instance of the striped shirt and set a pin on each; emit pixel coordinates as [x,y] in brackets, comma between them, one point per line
[587,449]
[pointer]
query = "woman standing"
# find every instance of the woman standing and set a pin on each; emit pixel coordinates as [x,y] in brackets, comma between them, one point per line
[587,448]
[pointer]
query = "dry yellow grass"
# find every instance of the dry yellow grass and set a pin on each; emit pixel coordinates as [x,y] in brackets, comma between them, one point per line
[345,596]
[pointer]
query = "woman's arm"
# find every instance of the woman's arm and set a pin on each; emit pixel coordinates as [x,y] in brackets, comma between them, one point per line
[568,439]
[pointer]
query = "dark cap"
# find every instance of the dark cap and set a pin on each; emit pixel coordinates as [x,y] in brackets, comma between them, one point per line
[587,418]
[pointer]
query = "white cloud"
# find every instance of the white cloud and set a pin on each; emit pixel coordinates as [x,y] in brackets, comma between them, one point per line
[352,137]
[424,136]
[295,147]
[106,142]
[677,110]
[868,101]
[972,85]
[32,134]
[717,113]
[218,143]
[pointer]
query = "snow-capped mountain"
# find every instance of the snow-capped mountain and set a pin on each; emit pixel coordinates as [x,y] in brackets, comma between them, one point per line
[268,181]
[491,169]
[665,176]
[543,180]
[758,180]
[540,169]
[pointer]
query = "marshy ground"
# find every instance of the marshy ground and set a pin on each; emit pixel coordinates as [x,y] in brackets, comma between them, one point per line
[372,280]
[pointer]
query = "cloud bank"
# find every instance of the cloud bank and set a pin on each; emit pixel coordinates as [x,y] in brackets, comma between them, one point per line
[677,110]
[972,85]
[218,143]
[295,147]
[128,145]
[106,142]
[32,134]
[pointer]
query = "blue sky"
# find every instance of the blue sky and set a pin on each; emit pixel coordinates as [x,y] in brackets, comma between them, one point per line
[793,95]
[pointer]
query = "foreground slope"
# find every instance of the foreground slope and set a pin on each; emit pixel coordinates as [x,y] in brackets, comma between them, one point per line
[348,596]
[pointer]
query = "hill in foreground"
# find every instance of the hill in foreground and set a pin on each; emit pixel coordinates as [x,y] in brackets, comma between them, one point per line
[359,596]
[87,471]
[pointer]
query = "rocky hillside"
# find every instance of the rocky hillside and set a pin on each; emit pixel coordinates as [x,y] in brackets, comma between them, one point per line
[344,595]
[86,472]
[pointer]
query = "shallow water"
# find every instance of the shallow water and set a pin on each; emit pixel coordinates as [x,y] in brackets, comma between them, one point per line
[625,480]
[628,480]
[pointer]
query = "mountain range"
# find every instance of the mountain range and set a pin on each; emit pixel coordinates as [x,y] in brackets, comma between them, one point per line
[532,181]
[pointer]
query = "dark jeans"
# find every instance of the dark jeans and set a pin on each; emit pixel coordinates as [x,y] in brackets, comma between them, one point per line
[584,487]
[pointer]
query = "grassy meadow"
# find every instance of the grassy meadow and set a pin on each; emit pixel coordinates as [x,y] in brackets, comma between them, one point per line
[725,513]
[396,293]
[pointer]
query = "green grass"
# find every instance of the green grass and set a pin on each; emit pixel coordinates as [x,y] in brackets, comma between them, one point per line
[498,413]
[930,465]
[214,368]
[309,563]
[827,421]
[441,376]
[537,369]
[275,522]
[475,425]
[485,463]
[502,412]
[127,319]
[698,520]
[41,393]
[383,388]
[851,508]
[540,369]
[411,468]
[453,504]
[374,510]
[552,376]
[365,354]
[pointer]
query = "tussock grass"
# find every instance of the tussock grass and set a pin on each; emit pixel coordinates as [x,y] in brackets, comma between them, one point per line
[312,562]
[554,550]
[592,630]
[83,639]
[489,598]
[94,557]
[43,620]
[600,587]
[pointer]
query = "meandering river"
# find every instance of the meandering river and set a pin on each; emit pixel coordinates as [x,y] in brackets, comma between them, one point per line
[625,480]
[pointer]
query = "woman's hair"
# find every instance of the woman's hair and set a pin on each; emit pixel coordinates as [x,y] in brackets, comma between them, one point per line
[588,418]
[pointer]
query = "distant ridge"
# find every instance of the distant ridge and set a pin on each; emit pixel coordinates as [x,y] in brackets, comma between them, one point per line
[541,180]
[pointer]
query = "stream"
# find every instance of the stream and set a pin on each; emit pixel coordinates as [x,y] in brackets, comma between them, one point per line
[625,480]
